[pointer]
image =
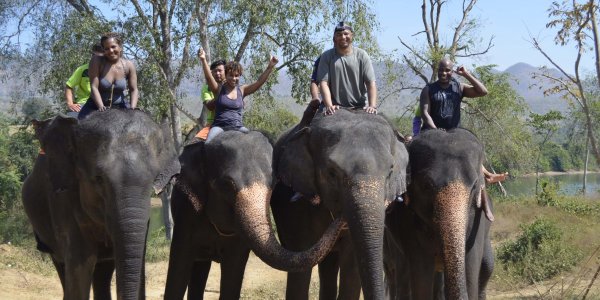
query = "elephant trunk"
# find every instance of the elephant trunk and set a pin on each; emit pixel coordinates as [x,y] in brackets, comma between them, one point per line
[129,229]
[365,211]
[451,215]
[251,208]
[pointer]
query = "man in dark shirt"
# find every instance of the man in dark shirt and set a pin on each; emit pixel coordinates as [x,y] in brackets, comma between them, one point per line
[440,104]
[440,101]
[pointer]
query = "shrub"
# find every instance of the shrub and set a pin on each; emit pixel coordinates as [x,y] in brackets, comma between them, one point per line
[539,253]
[14,226]
[549,195]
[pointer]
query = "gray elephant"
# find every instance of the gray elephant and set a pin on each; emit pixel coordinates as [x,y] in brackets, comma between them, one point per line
[355,163]
[88,197]
[220,210]
[443,226]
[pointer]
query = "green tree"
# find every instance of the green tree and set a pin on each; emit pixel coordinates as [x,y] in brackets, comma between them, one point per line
[17,153]
[270,117]
[498,121]
[576,23]
[162,37]
[544,127]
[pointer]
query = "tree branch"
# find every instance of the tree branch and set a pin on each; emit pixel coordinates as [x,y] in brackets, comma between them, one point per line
[460,26]
[537,46]
[470,54]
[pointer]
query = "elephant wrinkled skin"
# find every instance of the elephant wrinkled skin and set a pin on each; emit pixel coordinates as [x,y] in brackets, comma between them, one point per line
[443,226]
[356,164]
[88,197]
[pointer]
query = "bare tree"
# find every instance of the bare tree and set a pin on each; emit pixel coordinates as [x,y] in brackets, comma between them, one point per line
[464,42]
[576,22]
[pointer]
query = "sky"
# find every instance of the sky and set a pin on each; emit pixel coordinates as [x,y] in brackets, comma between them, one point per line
[511,22]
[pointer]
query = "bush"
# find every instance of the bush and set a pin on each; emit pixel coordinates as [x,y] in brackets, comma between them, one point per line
[549,195]
[14,226]
[270,117]
[539,253]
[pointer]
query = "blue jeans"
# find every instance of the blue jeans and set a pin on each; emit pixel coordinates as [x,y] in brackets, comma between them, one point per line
[216,130]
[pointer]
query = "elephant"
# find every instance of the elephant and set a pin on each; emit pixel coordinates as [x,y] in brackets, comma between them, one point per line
[442,229]
[355,163]
[220,210]
[88,197]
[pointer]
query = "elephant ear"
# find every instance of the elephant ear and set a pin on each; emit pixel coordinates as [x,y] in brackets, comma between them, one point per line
[398,181]
[293,162]
[170,169]
[40,127]
[170,165]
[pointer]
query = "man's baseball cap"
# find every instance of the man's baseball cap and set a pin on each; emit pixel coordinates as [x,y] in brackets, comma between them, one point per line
[341,26]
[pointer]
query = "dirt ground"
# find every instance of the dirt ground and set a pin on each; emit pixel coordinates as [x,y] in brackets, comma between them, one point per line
[260,282]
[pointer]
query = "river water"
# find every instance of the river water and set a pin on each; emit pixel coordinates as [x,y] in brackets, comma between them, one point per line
[569,184]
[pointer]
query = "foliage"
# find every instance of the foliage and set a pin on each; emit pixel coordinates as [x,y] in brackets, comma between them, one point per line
[576,23]
[158,247]
[461,39]
[36,109]
[269,116]
[544,126]
[549,195]
[17,153]
[498,121]
[539,252]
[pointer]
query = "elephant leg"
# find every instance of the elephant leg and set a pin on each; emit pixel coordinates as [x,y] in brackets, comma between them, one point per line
[232,274]
[350,284]
[298,285]
[79,271]
[180,261]
[102,276]
[81,257]
[197,284]
[422,276]
[60,269]
[328,275]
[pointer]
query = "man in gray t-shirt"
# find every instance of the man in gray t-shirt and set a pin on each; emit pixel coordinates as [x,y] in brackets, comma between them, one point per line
[346,74]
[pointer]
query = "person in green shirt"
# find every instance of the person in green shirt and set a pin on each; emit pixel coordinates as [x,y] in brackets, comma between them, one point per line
[77,88]
[207,116]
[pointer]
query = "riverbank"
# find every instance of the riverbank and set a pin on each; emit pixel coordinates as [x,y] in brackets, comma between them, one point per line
[554,173]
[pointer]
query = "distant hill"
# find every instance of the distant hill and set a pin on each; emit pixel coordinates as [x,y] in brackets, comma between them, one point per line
[532,90]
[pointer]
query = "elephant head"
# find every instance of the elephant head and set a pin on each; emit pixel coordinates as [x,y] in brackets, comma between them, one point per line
[109,163]
[230,179]
[356,164]
[445,193]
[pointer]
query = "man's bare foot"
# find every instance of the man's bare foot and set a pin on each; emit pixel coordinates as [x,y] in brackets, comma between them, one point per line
[493,178]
